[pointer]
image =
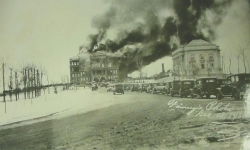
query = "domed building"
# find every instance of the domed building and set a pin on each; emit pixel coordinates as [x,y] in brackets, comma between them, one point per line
[198,58]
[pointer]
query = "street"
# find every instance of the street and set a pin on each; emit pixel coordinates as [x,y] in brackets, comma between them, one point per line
[134,121]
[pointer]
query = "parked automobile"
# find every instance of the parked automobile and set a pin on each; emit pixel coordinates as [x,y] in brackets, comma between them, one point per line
[135,87]
[185,86]
[221,82]
[143,87]
[110,88]
[94,87]
[236,86]
[151,88]
[128,88]
[205,86]
[125,86]
[175,87]
[161,88]
[118,88]
[104,84]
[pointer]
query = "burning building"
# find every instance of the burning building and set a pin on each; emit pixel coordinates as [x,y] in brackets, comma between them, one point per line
[98,66]
[147,30]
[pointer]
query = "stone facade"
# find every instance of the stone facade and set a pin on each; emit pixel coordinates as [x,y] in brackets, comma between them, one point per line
[199,58]
[96,66]
[103,67]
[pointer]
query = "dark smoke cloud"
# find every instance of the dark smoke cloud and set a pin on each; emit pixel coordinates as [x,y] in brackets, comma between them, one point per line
[190,13]
[104,22]
[154,24]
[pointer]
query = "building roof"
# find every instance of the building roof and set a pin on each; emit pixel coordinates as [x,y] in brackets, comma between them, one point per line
[195,45]
[98,54]
[200,45]
[75,58]
[199,42]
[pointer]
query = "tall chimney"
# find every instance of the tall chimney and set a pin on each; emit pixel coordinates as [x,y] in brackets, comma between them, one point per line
[163,70]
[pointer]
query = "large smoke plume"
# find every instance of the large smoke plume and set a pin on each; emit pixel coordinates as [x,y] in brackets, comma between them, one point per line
[153,26]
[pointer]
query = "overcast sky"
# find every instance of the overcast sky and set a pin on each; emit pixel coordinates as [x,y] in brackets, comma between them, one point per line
[49,32]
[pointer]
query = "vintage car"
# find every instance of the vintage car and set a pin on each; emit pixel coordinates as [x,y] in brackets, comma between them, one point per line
[118,88]
[110,87]
[185,86]
[143,87]
[126,86]
[161,88]
[205,86]
[175,87]
[236,86]
[221,82]
[135,87]
[150,88]
[94,87]
[104,84]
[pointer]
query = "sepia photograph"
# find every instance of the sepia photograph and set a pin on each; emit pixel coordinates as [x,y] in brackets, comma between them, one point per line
[124,74]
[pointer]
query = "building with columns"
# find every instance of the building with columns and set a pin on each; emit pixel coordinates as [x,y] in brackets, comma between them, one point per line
[198,58]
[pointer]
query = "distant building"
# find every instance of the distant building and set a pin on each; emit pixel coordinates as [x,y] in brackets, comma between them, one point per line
[103,67]
[98,66]
[75,76]
[199,58]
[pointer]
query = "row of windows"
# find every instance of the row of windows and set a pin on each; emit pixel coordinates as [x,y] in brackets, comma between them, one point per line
[210,65]
[202,57]
[202,65]
[74,63]
[236,79]
[81,79]
[75,75]
[102,65]
[75,69]
[112,77]
[114,71]
[78,74]
[88,79]
[97,72]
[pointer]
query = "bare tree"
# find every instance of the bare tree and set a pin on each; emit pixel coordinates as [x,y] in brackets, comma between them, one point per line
[3,63]
[24,79]
[46,74]
[11,83]
[17,89]
[230,63]
[248,65]
[241,52]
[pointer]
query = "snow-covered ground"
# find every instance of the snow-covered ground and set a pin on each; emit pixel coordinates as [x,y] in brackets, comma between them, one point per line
[69,102]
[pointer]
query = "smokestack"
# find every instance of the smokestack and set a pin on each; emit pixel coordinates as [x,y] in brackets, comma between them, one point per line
[163,70]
